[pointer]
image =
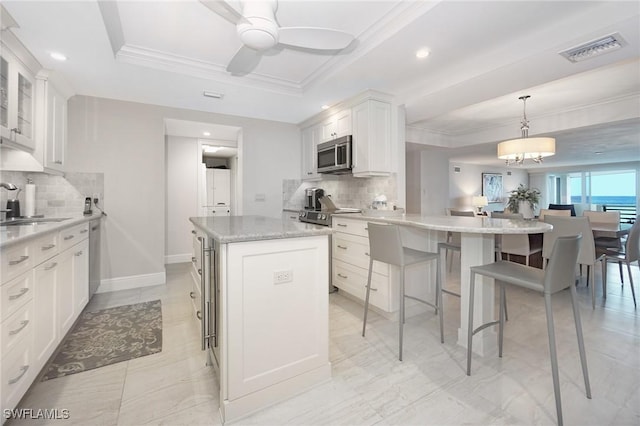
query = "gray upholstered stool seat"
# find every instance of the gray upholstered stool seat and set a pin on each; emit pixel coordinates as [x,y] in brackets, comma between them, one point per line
[385,245]
[558,276]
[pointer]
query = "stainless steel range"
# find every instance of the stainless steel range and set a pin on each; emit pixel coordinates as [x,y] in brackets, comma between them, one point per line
[323,217]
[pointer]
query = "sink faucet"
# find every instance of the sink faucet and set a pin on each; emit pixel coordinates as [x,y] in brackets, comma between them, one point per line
[8,186]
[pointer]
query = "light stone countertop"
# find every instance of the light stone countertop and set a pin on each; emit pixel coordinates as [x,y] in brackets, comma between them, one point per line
[232,229]
[10,235]
[476,225]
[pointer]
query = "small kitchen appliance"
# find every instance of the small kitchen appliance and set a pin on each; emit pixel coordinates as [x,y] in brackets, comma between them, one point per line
[312,199]
[335,156]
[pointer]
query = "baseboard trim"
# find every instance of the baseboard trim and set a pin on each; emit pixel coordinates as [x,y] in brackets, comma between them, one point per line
[131,282]
[177,258]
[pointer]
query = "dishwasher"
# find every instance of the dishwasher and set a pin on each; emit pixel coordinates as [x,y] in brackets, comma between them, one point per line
[94,256]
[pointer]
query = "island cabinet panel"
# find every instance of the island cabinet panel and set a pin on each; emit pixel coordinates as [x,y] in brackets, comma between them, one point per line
[276,315]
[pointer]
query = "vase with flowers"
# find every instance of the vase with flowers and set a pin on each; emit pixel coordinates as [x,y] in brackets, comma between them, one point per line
[523,200]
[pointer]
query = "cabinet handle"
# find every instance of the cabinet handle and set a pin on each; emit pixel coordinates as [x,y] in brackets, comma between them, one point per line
[16,262]
[50,267]
[69,237]
[192,295]
[341,247]
[19,295]
[193,259]
[23,370]
[23,324]
[199,271]
[47,247]
[78,253]
[16,130]
[342,276]
[200,239]
[193,231]
[342,224]
[198,315]
[309,173]
[372,289]
[366,254]
[84,231]
[57,162]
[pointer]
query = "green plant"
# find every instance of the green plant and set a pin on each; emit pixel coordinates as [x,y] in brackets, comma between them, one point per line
[530,195]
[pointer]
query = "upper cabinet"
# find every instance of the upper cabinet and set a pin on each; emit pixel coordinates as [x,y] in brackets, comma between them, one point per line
[337,125]
[310,139]
[367,117]
[17,95]
[52,123]
[371,150]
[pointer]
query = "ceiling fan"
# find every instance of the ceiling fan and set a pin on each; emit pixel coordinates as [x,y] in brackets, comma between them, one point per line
[258,30]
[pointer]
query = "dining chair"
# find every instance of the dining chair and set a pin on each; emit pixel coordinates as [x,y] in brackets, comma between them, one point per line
[563,226]
[557,277]
[603,243]
[549,212]
[516,244]
[385,245]
[569,207]
[628,255]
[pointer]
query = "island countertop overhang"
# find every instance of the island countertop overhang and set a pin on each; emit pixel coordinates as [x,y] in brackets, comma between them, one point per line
[473,225]
[232,229]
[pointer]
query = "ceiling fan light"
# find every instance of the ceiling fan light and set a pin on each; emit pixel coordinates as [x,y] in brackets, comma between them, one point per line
[259,33]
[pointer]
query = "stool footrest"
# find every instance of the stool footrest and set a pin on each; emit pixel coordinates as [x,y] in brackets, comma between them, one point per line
[485,325]
[421,301]
[453,293]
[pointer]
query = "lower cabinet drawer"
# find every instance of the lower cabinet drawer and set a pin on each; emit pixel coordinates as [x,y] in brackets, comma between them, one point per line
[16,328]
[17,372]
[196,296]
[16,293]
[355,250]
[15,260]
[353,280]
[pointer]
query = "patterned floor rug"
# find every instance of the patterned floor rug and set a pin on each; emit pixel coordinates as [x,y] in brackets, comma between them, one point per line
[109,336]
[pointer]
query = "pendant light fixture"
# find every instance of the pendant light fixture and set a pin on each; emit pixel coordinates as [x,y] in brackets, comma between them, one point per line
[518,150]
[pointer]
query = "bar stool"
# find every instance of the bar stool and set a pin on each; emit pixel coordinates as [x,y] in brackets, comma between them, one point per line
[558,275]
[385,245]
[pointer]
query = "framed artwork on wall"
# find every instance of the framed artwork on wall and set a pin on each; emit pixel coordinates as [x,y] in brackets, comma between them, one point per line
[492,187]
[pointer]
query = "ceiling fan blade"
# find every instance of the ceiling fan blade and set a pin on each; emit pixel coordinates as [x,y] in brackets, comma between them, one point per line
[314,38]
[244,61]
[225,10]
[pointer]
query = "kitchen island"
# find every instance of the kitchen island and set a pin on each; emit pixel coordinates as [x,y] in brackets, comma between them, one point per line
[265,298]
[477,248]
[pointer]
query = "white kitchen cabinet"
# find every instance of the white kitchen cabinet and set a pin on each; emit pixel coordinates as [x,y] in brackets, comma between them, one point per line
[55,125]
[17,91]
[371,150]
[337,125]
[218,187]
[46,329]
[45,287]
[350,265]
[310,139]
[196,273]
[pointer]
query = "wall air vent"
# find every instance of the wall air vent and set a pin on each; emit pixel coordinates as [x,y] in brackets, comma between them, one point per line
[594,48]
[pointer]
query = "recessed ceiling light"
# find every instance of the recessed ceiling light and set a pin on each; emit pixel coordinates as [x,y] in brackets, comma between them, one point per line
[422,53]
[58,56]
[206,133]
[325,106]
[598,152]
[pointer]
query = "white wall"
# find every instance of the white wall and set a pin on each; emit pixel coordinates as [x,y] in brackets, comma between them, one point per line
[468,182]
[125,141]
[434,179]
[183,158]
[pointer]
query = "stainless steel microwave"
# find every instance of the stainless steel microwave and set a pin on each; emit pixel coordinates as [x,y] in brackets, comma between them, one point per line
[335,156]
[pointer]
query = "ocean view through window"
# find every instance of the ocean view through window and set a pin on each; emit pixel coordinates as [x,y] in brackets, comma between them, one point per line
[605,190]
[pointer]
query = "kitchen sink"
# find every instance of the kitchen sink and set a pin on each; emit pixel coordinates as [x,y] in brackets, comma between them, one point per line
[31,220]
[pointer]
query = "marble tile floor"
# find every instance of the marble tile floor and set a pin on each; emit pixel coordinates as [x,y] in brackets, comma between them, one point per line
[369,385]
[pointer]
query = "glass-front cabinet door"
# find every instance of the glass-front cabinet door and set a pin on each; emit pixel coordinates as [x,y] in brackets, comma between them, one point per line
[4,96]
[16,103]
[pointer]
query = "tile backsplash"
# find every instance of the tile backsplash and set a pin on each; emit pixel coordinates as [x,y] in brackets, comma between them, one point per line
[55,195]
[345,191]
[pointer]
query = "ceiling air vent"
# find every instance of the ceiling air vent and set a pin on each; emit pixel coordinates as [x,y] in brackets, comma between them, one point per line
[594,48]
